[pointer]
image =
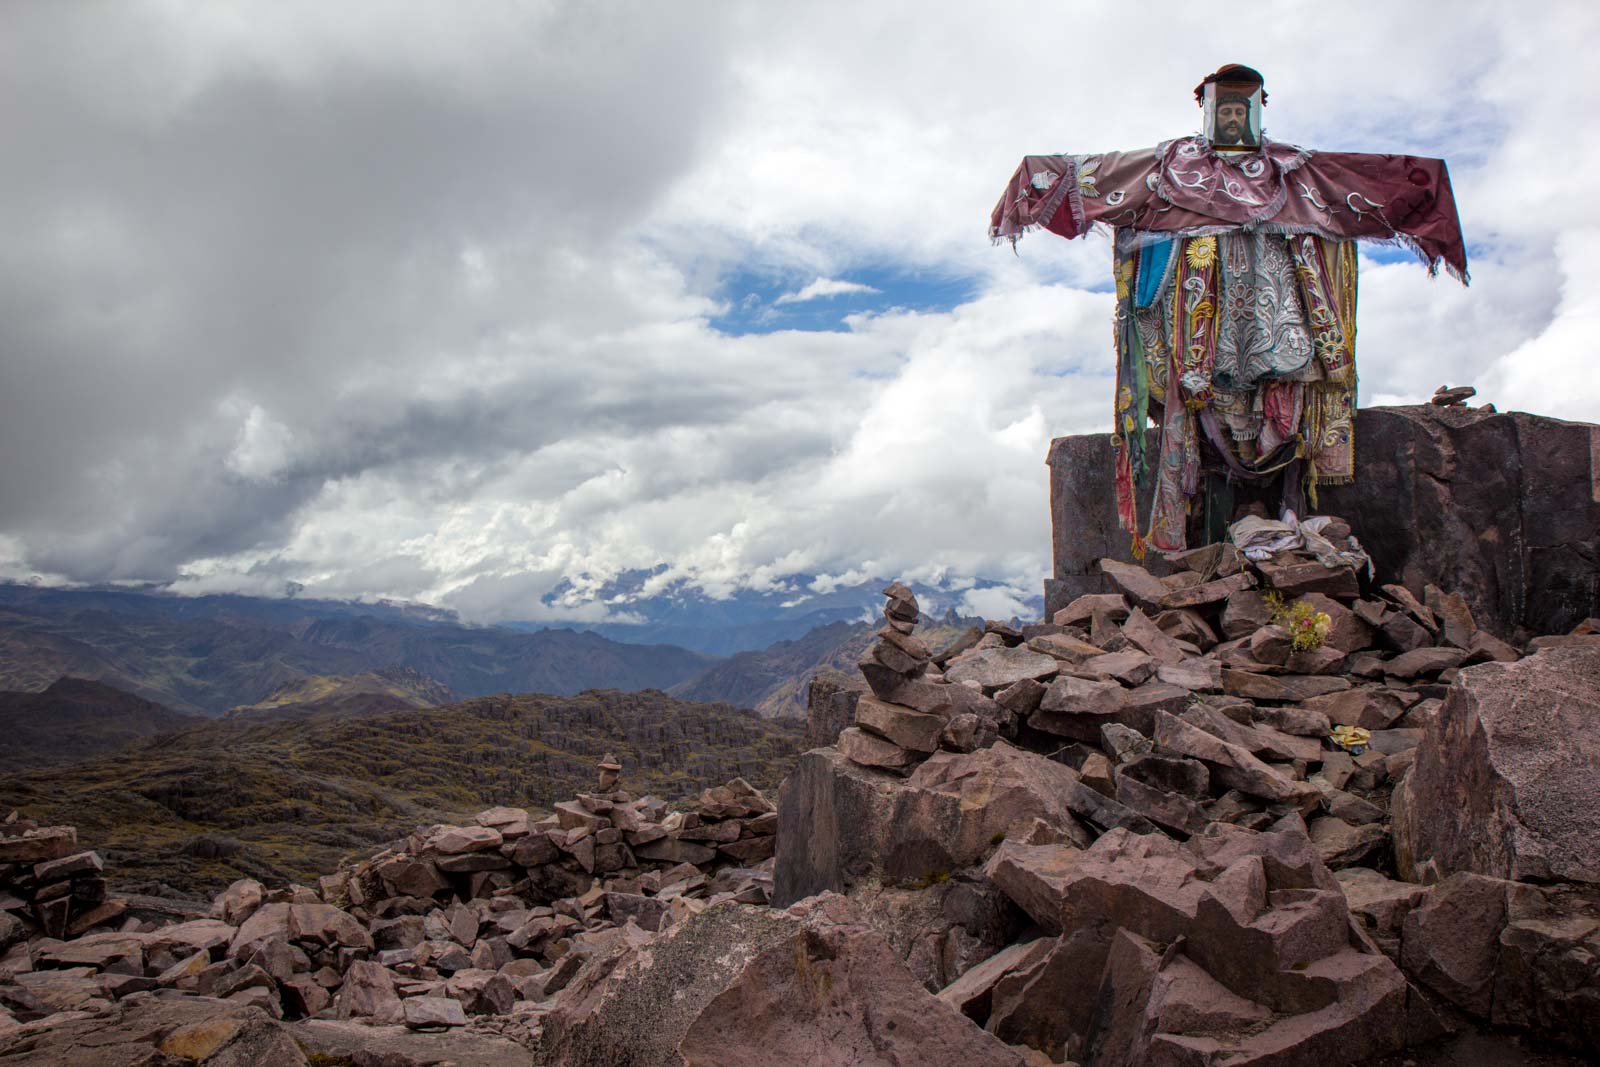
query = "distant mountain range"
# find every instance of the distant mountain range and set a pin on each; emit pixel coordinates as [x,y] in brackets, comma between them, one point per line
[348,724]
[208,654]
[748,619]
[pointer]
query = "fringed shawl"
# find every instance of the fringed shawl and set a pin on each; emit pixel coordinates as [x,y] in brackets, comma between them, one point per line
[1186,188]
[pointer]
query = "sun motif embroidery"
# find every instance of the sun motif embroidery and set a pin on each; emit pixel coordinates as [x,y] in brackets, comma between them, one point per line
[1201,252]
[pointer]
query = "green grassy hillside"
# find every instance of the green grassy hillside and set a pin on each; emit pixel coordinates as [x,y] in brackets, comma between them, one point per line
[375,692]
[287,799]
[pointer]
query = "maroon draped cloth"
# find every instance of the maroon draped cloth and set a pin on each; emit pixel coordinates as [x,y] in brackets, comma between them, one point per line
[1186,188]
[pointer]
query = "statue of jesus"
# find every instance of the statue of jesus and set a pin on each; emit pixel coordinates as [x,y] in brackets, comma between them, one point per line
[1235,269]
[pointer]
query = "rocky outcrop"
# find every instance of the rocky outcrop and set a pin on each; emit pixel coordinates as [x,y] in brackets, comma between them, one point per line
[1507,782]
[841,823]
[1511,953]
[1234,947]
[1154,829]
[830,707]
[1503,508]
[1188,800]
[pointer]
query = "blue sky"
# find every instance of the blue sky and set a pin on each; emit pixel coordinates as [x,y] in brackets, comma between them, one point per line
[757,304]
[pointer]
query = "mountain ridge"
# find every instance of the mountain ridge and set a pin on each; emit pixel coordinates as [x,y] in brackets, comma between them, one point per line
[213,654]
[77,718]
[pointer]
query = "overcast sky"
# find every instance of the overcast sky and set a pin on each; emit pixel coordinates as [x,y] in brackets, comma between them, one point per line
[453,301]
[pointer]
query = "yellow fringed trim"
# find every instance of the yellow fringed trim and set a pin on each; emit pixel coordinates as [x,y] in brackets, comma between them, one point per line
[1138,545]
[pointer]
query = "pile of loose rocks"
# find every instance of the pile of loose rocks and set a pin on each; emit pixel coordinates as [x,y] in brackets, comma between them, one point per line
[479,924]
[1252,811]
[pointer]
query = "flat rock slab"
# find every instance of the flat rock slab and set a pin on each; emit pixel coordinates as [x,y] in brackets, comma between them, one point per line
[1208,592]
[428,1012]
[1194,675]
[1284,688]
[1341,844]
[1229,764]
[1295,578]
[870,750]
[1084,607]
[1424,661]
[1139,584]
[994,668]
[44,843]
[906,727]
[142,1029]
[348,1040]
[739,986]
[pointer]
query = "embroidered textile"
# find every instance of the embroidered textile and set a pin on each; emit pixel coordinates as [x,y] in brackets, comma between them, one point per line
[1185,187]
[1269,383]
[1236,300]
[1263,329]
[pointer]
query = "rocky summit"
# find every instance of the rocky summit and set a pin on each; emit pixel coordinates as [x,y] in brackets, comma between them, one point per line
[1258,809]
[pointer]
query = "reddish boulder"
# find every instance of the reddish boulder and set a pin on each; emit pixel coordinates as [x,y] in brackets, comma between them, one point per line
[737,986]
[1450,942]
[839,822]
[1492,790]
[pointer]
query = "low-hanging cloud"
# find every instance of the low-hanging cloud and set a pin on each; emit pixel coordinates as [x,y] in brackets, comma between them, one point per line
[422,300]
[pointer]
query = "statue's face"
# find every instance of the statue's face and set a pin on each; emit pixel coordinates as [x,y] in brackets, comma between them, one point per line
[1233,123]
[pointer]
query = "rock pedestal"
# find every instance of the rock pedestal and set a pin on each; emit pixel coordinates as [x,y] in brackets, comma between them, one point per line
[1503,508]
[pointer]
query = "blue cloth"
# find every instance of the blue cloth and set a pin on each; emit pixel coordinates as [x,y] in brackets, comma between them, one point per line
[1153,260]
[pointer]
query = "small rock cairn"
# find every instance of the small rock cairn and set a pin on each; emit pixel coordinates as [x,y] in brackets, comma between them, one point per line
[914,711]
[47,883]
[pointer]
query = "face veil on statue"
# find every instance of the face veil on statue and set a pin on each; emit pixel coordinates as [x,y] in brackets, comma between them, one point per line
[1231,101]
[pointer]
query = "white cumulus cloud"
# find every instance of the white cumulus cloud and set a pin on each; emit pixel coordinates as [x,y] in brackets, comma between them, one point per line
[823,287]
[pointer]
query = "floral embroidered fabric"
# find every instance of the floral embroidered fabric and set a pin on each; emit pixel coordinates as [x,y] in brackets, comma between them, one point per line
[1236,300]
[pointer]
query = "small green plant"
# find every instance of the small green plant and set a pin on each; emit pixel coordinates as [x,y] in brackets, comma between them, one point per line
[1308,628]
[931,879]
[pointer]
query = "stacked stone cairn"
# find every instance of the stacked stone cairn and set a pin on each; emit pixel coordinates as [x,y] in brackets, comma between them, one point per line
[47,883]
[913,711]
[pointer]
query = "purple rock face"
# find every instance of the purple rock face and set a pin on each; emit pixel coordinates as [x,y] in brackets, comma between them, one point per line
[1503,508]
